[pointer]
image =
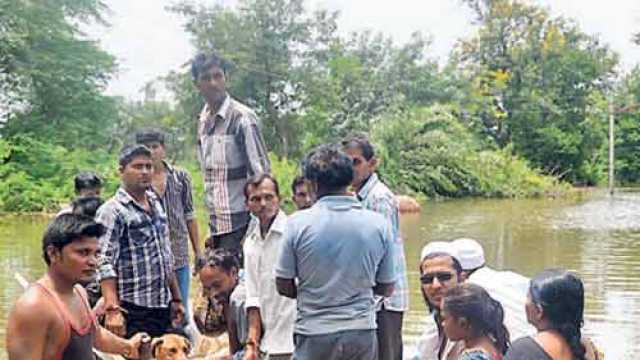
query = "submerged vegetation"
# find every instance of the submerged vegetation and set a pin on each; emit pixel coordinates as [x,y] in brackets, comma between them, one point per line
[519,109]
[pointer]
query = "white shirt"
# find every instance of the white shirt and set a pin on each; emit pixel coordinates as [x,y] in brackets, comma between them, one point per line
[278,312]
[429,344]
[510,289]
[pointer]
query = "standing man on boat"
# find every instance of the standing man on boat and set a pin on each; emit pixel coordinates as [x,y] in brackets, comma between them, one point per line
[173,187]
[135,270]
[230,150]
[376,196]
[52,319]
[271,315]
[341,255]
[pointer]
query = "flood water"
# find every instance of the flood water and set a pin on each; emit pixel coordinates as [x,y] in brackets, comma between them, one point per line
[595,235]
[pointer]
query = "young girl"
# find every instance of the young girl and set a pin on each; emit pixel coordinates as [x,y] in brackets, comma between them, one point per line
[472,317]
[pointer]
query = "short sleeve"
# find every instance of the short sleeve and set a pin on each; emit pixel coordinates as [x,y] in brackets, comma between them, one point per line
[286,268]
[386,271]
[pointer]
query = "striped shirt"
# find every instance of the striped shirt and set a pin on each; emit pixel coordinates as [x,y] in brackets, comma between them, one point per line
[230,150]
[135,249]
[377,197]
[178,205]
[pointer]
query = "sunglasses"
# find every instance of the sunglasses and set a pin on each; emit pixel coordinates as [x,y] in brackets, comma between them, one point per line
[427,278]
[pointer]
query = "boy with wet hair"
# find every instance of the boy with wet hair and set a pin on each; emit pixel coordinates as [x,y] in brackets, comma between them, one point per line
[42,323]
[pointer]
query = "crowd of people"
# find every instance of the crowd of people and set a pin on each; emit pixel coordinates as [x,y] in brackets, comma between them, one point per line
[326,282]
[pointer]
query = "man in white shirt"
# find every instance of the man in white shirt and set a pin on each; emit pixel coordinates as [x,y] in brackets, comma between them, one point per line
[508,287]
[265,307]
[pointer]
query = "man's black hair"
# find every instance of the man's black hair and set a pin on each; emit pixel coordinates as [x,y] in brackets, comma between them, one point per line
[256,180]
[360,141]
[145,136]
[129,152]
[329,167]
[222,258]
[203,62]
[86,205]
[86,180]
[67,228]
[299,180]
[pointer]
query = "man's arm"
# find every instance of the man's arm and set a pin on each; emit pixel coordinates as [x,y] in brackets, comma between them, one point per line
[177,306]
[109,343]
[254,334]
[255,150]
[189,216]
[286,287]
[109,254]
[386,274]
[28,327]
[383,289]
[252,302]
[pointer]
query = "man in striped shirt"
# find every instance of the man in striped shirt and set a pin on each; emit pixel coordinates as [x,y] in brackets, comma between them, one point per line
[377,197]
[173,187]
[135,267]
[230,150]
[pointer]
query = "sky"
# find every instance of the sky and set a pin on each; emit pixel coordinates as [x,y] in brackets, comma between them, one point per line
[148,41]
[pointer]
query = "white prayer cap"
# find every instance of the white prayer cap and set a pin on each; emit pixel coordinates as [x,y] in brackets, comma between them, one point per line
[444,247]
[470,253]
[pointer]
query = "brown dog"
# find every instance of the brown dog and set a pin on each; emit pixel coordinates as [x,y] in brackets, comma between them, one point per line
[170,347]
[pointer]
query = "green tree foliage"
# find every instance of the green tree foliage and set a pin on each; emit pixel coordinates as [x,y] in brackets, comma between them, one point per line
[52,77]
[530,81]
[628,129]
[430,151]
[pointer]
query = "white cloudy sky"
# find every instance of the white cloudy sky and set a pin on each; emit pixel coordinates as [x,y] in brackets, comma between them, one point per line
[148,41]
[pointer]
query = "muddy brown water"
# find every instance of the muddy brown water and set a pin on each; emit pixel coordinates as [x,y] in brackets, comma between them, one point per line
[595,235]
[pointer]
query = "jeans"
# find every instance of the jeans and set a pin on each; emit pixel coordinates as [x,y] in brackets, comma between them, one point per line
[183,275]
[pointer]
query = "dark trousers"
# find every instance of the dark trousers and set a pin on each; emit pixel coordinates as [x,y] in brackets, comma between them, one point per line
[389,334]
[343,345]
[153,321]
[231,241]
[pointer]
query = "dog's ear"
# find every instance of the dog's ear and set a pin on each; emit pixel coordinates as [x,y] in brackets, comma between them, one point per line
[154,345]
[187,345]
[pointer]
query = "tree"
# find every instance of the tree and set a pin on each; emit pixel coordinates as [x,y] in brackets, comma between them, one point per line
[52,77]
[531,79]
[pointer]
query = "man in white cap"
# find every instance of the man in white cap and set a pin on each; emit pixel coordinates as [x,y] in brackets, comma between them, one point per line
[440,270]
[508,287]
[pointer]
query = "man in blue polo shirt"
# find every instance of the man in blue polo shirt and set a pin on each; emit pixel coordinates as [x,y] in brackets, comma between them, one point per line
[340,254]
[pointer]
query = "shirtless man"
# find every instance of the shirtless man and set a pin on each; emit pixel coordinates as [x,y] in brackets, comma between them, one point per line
[52,319]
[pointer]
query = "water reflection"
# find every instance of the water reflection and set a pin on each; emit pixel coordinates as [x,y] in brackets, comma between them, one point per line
[597,236]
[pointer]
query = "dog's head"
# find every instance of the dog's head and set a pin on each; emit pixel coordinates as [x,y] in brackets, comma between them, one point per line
[170,347]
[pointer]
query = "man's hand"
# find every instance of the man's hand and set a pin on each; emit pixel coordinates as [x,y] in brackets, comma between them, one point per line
[135,344]
[250,352]
[114,322]
[199,263]
[177,312]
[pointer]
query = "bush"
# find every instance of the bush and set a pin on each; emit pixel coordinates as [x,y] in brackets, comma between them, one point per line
[429,151]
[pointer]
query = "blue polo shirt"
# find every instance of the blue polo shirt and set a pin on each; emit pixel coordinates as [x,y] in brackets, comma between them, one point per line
[338,251]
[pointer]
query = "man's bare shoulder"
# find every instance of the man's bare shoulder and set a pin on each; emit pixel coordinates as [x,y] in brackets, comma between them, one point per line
[33,307]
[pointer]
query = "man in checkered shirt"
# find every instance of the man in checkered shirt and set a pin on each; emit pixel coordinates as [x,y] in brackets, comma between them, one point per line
[230,150]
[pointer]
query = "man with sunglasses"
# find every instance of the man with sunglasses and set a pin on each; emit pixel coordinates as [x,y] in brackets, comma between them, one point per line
[440,270]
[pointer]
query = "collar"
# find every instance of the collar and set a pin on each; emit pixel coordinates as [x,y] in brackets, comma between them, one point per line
[168,166]
[222,112]
[339,202]
[372,181]
[279,224]
[125,198]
